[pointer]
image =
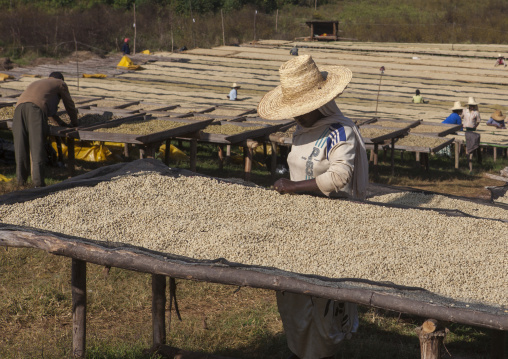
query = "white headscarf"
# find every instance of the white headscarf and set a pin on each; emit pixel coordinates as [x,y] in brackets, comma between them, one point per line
[360,179]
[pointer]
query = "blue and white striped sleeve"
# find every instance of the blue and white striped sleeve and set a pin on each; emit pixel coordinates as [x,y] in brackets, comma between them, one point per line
[340,152]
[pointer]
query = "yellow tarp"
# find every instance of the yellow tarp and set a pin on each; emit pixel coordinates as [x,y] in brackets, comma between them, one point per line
[4,179]
[174,153]
[87,151]
[4,77]
[146,52]
[126,63]
[25,75]
[95,76]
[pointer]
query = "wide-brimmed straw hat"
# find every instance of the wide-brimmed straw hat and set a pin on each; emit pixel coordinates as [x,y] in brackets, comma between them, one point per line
[303,88]
[498,115]
[457,106]
[235,86]
[471,101]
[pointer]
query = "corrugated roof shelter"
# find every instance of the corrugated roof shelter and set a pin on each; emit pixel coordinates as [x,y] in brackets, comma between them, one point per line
[323,30]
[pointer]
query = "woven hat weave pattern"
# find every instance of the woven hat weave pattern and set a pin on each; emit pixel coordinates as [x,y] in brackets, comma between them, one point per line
[498,115]
[457,106]
[303,88]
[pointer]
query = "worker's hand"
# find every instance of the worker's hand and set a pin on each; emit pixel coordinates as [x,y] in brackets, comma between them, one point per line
[284,185]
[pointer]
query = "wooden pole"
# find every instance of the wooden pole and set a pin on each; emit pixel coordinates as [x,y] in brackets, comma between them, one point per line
[172,40]
[223,33]
[134,25]
[193,154]
[78,282]
[221,156]
[497,347]
[431,337]
[192,24]
[75,53]
[457,153]
[274,158]
[255,14]
[167,152]
[158,309]
[378,90]
[392,162]
[145,261]
[71,156]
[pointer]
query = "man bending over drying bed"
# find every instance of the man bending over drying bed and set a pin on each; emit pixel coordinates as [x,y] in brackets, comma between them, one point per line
[36,105]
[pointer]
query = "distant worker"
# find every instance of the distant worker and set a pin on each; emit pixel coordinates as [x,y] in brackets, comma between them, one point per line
[294,51]
[456,116]
[500,61]
[125,47]
[497,120]
[471,116]
[233,94]
[36,105]
[417,98]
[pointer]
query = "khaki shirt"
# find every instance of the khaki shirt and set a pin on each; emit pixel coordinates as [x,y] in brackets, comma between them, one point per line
[46,94]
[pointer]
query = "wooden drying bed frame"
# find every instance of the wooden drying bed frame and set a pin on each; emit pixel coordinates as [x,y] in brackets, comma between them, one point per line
[146,261]
[161,265]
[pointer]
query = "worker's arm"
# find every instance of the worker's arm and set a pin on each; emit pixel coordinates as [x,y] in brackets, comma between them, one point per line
[57,121]
[69,104]
[285,185]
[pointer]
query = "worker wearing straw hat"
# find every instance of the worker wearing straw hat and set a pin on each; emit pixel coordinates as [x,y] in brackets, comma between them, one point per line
[455,117]
[500,60]
[328,157]
[233,94]
[471,115]
[497,120]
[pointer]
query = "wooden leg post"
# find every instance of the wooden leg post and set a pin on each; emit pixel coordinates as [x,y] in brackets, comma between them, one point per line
[126,150]
[392,154]
[375,158]
[273,158]
[78,282]
[431,337]
[193,154]
[221,156]
[159,309]
[495,153]
[228,153]
[248,162]
[167,152]
[71,156]
[498,338]
[457,153]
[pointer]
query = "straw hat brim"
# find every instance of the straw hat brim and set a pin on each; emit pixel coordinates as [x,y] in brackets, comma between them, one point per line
[457,108]
[498,117]
[274,106]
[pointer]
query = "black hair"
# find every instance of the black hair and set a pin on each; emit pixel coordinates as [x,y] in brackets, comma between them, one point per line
[417,92]
[57,75]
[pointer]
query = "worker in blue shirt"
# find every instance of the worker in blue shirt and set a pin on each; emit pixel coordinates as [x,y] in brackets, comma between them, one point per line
[456,116]
[233,94]
[125,47]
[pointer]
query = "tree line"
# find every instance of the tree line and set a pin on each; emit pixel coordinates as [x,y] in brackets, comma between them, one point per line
[57,27]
